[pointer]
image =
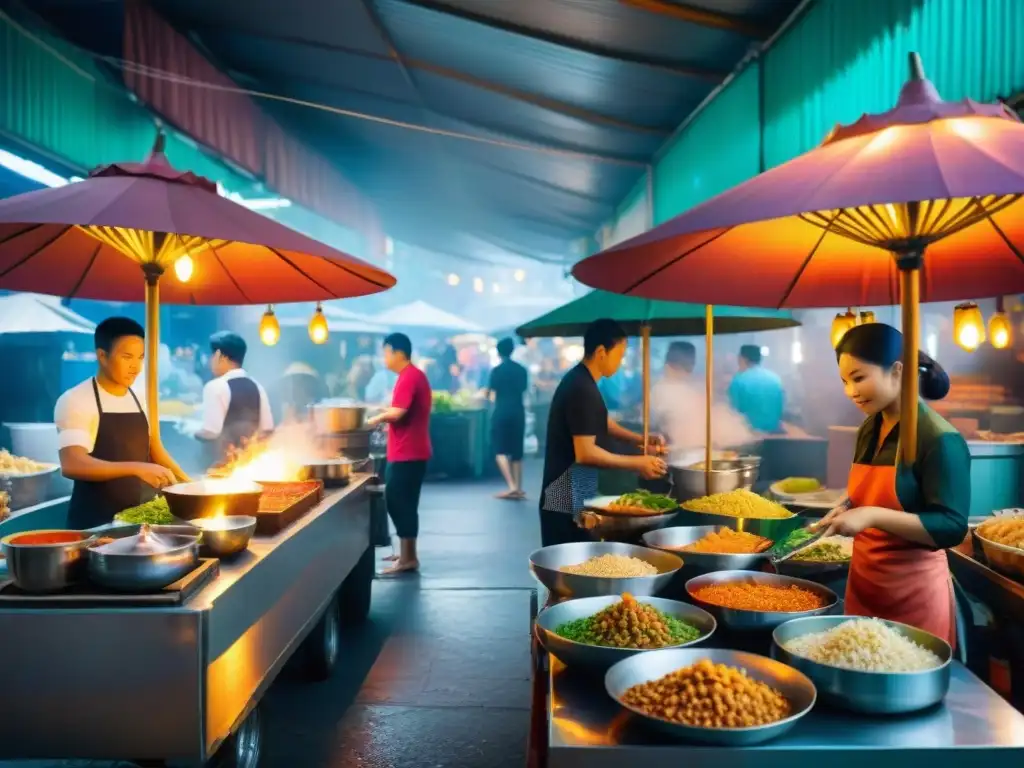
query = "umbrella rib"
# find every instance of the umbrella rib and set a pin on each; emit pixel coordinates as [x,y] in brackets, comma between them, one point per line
[298,269]
[85,272]
[999,231]
[227,272]
[35,252]
[20,232]
[339,265]
[676,259]
[803,267]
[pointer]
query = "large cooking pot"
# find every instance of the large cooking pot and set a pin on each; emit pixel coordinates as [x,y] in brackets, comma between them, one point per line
[213,498]
[148,560]
[333,416]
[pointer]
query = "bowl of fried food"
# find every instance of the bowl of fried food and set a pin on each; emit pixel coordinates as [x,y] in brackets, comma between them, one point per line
[707,548]
[1002,542]
[714,696]
[598,632]
[828,555]
[626,517]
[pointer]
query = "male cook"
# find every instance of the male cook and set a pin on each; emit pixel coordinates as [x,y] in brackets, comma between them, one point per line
[103,433]
[235,407]
[577,426]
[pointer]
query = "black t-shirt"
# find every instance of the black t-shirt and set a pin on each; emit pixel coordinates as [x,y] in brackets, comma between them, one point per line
[508,383]
[577,409]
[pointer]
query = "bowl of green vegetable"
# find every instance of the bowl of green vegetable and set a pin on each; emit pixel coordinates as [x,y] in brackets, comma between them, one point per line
[627,517]
[153,512]
[597,632]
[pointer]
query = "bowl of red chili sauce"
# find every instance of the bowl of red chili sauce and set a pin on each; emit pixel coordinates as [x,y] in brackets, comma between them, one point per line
[45,560]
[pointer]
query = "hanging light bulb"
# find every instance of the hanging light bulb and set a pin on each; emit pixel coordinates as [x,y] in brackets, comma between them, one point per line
[866,317]
[454,279]
[968,326]
[270,329]
[841,324]
[478,284]
[184,267]
[318,326]
[519,275]
[1000,332]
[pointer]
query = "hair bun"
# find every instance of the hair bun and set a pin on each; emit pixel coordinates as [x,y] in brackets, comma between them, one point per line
[933,381]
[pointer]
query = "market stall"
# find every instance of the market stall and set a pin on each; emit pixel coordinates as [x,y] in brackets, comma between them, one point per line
[832,225]
[646,318]
[183,682]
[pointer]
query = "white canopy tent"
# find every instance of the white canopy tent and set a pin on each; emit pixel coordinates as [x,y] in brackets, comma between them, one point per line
[421,315]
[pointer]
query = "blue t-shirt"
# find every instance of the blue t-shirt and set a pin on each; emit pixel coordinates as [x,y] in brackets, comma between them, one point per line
[757,394]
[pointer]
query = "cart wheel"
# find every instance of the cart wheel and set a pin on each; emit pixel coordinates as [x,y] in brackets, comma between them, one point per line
[356,590]
[320,648]
[242,748]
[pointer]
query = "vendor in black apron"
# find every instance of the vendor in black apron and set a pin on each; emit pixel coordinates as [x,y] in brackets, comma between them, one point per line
[235,408]
[103,432]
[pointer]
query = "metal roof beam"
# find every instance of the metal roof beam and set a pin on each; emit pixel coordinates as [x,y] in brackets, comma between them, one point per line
[564,41]
[701,17]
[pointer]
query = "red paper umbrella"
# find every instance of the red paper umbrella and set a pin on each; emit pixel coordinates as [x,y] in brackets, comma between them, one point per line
[922,202]
[83,239]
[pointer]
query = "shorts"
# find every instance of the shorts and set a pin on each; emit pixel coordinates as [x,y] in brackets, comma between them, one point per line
[508,433]
[403,481]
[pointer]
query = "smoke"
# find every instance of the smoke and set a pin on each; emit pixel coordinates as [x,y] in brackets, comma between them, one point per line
[678,408]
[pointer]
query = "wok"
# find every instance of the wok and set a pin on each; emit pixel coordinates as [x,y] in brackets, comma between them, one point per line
[213,498]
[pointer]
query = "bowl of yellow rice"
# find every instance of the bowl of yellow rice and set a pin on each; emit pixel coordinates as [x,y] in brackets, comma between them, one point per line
[742,510]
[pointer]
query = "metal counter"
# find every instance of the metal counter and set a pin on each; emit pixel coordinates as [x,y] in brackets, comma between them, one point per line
[586,729]
[172,684]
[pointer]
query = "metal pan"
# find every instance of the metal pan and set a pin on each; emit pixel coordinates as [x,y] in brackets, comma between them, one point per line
[213,498]
[333,472]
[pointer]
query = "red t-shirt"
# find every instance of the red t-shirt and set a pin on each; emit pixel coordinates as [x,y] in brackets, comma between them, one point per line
[409,438]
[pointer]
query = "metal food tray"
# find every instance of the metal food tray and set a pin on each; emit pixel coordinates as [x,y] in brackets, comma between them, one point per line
[272,521]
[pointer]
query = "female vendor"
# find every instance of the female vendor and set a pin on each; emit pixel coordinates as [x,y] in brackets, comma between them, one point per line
[903,517]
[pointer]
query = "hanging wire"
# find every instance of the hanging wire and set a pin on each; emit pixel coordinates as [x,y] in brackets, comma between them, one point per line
[158,74]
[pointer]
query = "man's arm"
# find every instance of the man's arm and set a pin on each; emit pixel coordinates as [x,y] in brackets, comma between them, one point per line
[266,415]
[389,416]
[159,455]
[214,410]
[588,452]
[619,432]
[77,464]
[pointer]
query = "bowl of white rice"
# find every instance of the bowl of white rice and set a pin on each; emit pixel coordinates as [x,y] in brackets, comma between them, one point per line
[867,665]
[598,568]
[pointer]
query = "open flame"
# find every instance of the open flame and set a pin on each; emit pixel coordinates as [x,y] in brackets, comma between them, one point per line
[280,458]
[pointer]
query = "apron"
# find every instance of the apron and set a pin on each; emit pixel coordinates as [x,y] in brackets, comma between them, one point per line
[241,422]
[891,578]
[120,437]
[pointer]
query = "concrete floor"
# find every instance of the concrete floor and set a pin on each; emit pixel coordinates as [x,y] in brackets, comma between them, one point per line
[439,677]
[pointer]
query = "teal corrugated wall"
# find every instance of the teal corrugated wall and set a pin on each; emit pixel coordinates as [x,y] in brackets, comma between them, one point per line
[842,58]
[845,58]
[718,150]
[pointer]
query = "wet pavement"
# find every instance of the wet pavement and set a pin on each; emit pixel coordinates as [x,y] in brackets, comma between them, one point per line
[439,677]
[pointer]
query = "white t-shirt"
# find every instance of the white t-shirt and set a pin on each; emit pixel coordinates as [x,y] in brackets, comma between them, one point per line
[78,419]
[217,400]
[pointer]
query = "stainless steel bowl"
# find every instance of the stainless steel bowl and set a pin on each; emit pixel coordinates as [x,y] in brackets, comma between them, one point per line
[225,536]
[42,568]
[333,416]
[877,693]
[1007,560]
[734,618]
[545,564]
[212,498]
[629,528]
[646,667]
[726,475]
[671,539]
[774,528]
[121,566]
[600,657]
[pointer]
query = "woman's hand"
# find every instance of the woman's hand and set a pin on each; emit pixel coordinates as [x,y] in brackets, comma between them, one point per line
[842,521]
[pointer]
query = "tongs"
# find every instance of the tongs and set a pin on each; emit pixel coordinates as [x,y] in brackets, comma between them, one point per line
[778,554]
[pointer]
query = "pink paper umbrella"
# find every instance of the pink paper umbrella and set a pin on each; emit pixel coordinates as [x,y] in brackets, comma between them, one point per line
[920,203]
[80,241]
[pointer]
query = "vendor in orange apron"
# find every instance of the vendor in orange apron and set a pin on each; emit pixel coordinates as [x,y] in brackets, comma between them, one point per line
[902,516]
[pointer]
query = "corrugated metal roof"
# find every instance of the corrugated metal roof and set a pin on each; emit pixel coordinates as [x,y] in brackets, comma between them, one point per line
[606,78]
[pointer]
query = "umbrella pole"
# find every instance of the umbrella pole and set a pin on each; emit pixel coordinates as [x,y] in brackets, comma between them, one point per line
[645,351]
[910,290]
[709,333]
[152,348]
